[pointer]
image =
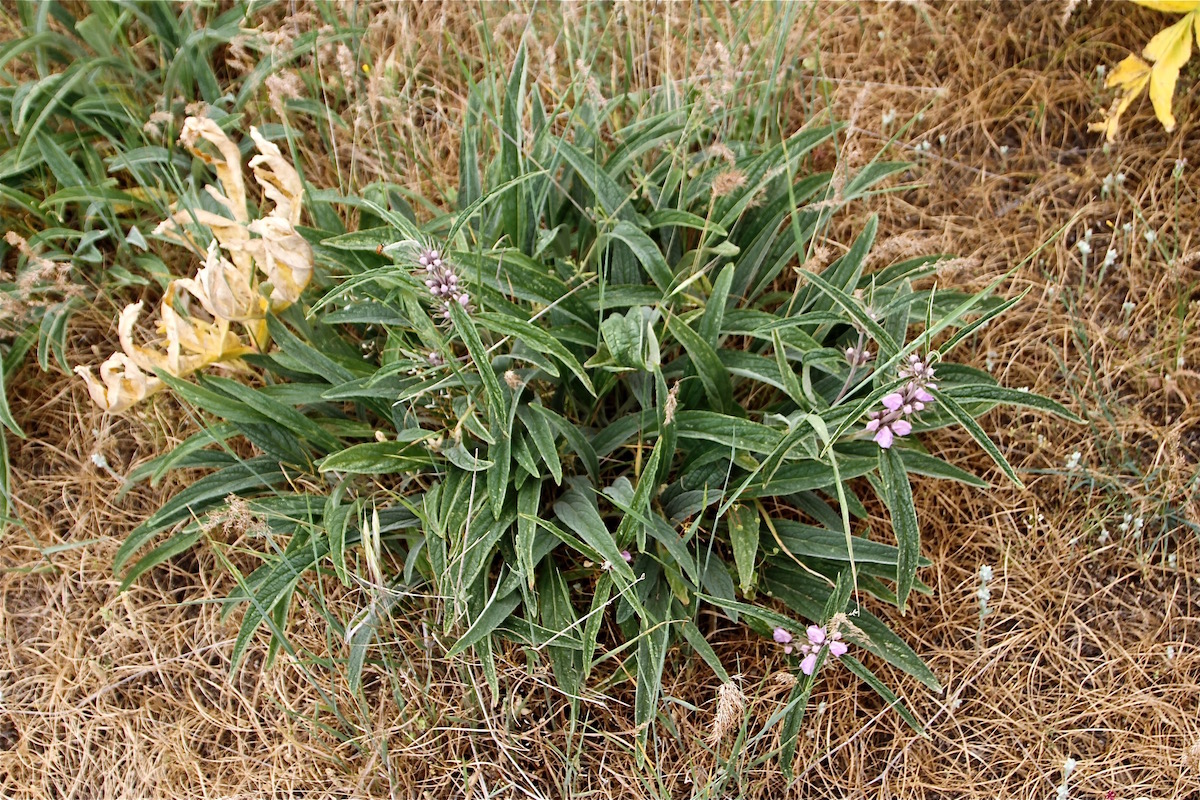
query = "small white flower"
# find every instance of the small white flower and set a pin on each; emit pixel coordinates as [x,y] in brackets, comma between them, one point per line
[1101,71]
[942,140]
[1150,237]
[1127,307]
[1103,537]
[1073,461]
[890,116]
[1003,150]
[1084,247]
[1127,228]
[1110,258]
[1180,165]
[1170,653]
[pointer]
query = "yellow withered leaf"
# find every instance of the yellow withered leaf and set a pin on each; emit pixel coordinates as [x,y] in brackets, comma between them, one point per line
[1169,50]
[1130,76]
[1171,6]
[269,265]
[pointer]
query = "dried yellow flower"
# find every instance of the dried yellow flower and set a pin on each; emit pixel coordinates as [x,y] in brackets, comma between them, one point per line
[186,344]
[224,290]
[1168,51]
[121,383]
[228,285]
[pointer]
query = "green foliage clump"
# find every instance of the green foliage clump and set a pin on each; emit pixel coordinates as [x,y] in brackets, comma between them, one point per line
[625,408]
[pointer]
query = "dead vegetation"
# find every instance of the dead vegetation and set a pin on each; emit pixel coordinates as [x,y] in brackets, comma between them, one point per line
[1090,652]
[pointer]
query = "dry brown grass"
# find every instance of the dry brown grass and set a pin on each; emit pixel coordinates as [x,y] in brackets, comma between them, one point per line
[108,695]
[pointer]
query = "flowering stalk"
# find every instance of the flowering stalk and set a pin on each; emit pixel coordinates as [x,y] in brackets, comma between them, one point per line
[892,421]
[443,282]
[984,593]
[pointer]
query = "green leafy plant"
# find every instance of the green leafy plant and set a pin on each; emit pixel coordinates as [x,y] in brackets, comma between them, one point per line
[605,370]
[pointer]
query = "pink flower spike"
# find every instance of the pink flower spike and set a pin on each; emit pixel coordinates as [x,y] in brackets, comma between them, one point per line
[837,648]
[873,425]
[893,401]
[884,437]
[787,648]
[809,665]
[782,636]
[922,395]
[816,635]
[902,427]
[625,554]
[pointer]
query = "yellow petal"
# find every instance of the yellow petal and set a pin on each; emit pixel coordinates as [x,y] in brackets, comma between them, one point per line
[278,178]
[284,257]
[97,390]
[1131,76]
[1170,49]
[121,383]
[1171,6]
[1130,72]
[228,166]
[224,290]
[145,358]
[193,343]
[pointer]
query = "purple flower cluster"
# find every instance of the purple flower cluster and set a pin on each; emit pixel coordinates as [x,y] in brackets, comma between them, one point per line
[892,421]
[818,637]
[443,282]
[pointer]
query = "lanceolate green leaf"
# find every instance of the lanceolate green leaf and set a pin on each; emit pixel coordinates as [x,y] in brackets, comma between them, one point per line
[646,251]
[529,500]
[963,418]
[494,614]
[538,339]
[712,372]
[377,458]
[743,521]
[581,517]
[647,486]
[897,493]
[889,697]
[470,337]
[984,393]
[543,438]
